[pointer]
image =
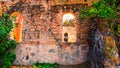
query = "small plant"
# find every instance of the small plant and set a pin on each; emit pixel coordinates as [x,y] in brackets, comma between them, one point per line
[69,23]
[20,66]
[45,65]
[34,66]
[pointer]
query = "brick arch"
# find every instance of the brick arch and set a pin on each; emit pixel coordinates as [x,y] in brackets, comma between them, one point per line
[16,32]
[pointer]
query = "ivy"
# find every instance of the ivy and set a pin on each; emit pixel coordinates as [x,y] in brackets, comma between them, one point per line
[101,9]
[7,45]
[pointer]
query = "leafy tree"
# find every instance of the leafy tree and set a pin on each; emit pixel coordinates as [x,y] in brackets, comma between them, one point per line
[7,45]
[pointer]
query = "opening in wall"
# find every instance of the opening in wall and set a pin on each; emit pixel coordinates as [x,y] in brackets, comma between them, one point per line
[68,28]
[16,32]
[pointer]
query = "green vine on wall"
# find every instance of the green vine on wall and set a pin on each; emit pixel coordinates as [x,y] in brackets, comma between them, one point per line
[101,9]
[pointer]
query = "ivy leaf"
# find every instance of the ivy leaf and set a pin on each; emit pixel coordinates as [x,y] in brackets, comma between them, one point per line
[2,31]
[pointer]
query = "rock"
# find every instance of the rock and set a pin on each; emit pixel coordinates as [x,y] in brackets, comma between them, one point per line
[84,48]
[52,50]
[33,54]
[27,57]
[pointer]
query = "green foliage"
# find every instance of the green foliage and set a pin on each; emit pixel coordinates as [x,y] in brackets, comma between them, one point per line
[20,66]
[46,65]
[101,9]
[118,30]
[8,59]
[34,66]
[118,8]
[68,23]
[7,45]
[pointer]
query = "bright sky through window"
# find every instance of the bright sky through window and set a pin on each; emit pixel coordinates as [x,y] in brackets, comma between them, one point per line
[67,17]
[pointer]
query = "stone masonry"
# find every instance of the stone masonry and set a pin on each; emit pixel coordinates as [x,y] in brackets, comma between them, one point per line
[42,35]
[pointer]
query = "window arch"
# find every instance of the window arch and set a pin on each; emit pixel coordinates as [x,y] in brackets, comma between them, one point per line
[16,32]
[68,19]
[68,28]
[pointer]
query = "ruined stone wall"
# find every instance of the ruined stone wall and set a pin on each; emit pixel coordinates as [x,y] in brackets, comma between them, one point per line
[41,36]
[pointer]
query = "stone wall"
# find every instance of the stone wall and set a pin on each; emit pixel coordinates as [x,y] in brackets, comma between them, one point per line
[28,54]
[42,36]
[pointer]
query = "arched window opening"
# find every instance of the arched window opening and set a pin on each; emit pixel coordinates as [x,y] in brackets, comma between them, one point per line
[68,20]
[68,28]
[16,32]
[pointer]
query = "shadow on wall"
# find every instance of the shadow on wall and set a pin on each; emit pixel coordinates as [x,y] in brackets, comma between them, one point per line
[86,64]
